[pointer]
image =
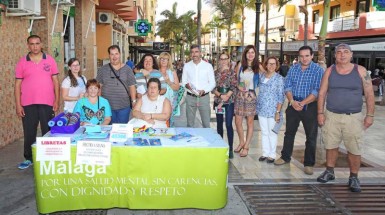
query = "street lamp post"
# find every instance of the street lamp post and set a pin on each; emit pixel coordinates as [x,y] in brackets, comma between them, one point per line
[258,4]
[282,30]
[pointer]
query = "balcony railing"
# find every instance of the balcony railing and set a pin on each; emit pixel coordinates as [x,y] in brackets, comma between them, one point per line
[347,23]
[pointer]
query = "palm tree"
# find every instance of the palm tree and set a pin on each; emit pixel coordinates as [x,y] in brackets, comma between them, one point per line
[199,23]
[172,28]
[241,5]
[227,10]
[218,24]
[205,30]
[323,31]
[322,35]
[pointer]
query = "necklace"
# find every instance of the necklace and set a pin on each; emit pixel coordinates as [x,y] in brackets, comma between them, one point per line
[250,68]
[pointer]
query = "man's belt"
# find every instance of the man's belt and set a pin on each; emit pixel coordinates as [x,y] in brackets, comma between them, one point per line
[193,95]
[349,113]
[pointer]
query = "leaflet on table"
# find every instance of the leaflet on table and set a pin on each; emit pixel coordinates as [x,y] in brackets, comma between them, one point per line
[121,132]
[180,136]
[146,142]
[164,132]
[93,153]
[53,148]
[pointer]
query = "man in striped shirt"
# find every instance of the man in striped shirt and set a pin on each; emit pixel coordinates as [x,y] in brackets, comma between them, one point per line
[117,81]
[301,88]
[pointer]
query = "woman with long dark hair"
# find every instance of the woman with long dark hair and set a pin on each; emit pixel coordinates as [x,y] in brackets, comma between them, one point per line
[73,86]
[246,98]
[148,68]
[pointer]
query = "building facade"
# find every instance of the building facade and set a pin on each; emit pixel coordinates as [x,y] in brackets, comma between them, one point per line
[81,29]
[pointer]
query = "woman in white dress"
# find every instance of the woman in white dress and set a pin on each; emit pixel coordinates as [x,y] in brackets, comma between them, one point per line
[153,108]
[73,86]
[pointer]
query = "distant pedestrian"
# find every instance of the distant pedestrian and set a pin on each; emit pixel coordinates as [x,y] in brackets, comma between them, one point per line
[198,78]
[341,88]
[36,93]
[130,63]
[301,88]
[295,61]
[284,68]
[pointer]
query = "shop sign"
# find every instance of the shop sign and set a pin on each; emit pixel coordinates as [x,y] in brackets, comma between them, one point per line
[143,27]
[292,46]
[379,5]
[156,46]
[380,46]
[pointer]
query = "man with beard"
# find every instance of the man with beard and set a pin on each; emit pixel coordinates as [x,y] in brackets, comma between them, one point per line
[198,78]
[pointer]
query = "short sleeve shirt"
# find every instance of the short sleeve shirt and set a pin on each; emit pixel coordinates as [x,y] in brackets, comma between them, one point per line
[112,89]
[93,113]
[73,91]
[142,80]
[37,86]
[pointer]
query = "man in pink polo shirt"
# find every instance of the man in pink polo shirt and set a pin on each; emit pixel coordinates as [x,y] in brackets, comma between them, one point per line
[36,93]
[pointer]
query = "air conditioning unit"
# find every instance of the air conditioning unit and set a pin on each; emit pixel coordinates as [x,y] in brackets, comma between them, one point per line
[24,7]
[63,2]
[104,18]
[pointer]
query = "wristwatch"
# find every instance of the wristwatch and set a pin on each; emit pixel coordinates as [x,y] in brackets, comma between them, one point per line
[134,101]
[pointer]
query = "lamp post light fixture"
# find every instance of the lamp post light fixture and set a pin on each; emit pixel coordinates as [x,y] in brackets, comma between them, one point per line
[258,4]
[282,30]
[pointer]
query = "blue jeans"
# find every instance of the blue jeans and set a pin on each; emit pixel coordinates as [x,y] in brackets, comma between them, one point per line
[121,115]
[310,124]
[229,114]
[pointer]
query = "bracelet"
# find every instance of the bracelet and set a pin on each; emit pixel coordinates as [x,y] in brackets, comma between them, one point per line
[370,115]
[320,113]
[277,111]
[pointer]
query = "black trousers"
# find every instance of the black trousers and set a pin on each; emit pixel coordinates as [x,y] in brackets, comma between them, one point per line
[33,115]
[309,121]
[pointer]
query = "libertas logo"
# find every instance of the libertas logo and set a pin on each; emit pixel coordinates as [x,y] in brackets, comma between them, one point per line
[66,167]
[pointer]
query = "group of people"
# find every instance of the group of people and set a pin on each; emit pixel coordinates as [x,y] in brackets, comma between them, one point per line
[307,88]
[152,91]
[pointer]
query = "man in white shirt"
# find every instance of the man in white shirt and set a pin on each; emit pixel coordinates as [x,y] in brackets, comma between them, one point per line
[198,78]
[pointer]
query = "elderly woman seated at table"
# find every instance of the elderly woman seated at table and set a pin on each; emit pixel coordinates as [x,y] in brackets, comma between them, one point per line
[153,108]
[93,109]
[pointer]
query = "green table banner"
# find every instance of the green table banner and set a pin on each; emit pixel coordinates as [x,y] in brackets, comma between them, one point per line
[138,178]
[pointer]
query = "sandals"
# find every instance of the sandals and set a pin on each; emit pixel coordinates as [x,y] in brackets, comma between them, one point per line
[239,148]
[244,150]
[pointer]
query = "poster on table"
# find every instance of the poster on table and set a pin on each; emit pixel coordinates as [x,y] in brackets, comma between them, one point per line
[53,148]
[121,132]
[93,153]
